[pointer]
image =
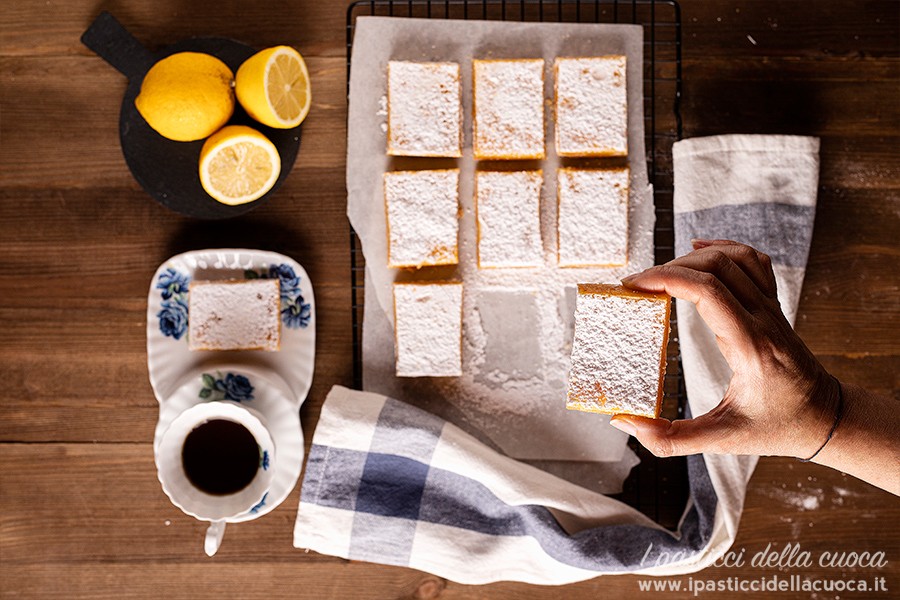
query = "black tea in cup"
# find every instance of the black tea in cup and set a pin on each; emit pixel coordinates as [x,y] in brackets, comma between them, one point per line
[220,457]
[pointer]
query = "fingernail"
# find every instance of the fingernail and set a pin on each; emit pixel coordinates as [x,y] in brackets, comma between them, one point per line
[629,279]
[698,243]
[624,425]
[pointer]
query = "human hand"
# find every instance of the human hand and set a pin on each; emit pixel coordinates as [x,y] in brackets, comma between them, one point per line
[780,400]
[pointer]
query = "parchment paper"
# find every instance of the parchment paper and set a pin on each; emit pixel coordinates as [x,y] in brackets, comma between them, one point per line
[517,328]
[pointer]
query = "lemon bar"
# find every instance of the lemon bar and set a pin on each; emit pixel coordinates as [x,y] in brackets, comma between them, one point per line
[422,210]
[592,217]
[428,329]
[507,209]
[591,106]
[424,109]
[508,120]
[234,315]
[619,351]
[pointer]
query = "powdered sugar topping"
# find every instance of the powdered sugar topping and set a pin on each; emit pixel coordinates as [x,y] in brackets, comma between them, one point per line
[234,315]
[616,354]
[422,211]
[591,106]
[509,108]
[593,216]
[424,109]
[428,329]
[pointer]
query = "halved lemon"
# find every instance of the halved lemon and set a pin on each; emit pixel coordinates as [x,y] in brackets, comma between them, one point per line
[238,165]
[273,87]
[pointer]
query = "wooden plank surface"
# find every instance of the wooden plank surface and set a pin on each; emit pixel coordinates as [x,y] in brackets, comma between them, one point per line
[83,515]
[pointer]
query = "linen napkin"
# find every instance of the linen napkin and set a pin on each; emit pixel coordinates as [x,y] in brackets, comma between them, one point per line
[387,482]
[759,190]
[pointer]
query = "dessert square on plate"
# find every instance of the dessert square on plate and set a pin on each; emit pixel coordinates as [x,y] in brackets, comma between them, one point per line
[424,109]
[508,107]
[592,217]
[422,210]
[508,216]
[235,315]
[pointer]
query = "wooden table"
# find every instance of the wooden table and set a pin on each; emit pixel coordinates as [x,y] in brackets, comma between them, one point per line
[83,514]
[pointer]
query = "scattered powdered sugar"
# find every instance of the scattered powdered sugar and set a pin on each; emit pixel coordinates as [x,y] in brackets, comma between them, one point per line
[382,112]
[424,109]
[591,109]
[428,329]
[509,108]
[810,500]
[509,220]
[844,492]
[422,211]
[593,201]
[496,388]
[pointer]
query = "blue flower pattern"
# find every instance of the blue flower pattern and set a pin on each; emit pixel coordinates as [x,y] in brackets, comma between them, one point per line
[258,506]
[264,460]
[230,387]
[290,283]
[295,312]
[173,318]
[172,283]
[174,286]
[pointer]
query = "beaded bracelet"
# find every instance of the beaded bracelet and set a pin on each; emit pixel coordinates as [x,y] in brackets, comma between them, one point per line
[837,420]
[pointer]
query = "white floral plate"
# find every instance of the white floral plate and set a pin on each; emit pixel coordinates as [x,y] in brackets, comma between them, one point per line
[168,357]
[290,370]
[257,389]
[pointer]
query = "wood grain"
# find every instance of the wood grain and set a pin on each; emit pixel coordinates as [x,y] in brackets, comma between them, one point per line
[84,532]
[84,153]
[83,515]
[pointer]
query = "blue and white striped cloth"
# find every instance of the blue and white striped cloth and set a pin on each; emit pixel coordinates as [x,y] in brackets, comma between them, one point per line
[389,483]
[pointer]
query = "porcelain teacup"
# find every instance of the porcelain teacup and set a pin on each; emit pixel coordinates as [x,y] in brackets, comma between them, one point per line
[202,472]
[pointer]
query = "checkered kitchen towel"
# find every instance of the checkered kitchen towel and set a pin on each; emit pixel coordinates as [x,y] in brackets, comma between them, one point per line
[386,482]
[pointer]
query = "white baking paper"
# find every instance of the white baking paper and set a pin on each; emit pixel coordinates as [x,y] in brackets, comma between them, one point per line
[517,322]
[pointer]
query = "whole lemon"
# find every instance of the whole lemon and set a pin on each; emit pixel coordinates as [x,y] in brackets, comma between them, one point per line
[187,96]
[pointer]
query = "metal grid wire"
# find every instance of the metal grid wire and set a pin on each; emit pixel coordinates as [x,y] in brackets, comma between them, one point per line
[656,487]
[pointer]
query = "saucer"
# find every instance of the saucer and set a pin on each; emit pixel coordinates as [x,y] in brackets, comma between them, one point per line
[168,357]
[254,388]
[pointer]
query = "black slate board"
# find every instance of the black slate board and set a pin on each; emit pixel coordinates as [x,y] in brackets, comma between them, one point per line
[166,169]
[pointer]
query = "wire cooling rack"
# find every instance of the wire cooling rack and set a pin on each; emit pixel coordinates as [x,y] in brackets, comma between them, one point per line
[656,487]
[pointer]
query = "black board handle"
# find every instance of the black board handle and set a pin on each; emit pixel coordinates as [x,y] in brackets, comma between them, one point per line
[114,44]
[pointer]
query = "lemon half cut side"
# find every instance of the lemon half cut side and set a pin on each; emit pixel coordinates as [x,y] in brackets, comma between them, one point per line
[273,87]
[238,165]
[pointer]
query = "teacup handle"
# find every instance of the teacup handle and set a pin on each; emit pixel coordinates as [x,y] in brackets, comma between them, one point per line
[214,535]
